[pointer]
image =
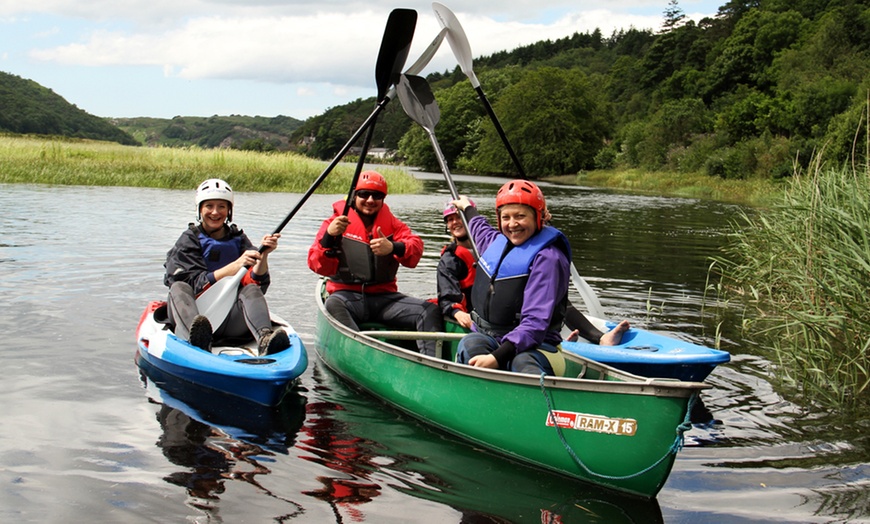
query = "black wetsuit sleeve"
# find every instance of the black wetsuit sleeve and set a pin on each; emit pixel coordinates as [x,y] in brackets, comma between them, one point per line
[574,319]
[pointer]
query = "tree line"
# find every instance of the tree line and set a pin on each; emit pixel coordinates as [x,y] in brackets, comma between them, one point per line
[754,91]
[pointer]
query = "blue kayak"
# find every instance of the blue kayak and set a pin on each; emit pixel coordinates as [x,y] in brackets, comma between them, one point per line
[235,370]
[649,354]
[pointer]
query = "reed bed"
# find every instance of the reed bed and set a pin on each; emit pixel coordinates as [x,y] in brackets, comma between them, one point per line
[754,191]
[805,266]
[59,161]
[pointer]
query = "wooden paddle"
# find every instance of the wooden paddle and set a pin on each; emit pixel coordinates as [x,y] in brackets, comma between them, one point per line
[462,51]
[217,301]
[419,103]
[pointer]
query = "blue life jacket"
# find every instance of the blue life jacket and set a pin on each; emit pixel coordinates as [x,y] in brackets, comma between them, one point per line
[220,252]
[500,282]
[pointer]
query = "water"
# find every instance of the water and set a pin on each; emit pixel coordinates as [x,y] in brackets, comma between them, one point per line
[86,438]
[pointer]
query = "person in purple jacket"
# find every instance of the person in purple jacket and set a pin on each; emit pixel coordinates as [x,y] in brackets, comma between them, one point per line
[520,291]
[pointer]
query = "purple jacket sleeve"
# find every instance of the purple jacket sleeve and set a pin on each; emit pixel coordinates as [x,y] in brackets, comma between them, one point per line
[481,231]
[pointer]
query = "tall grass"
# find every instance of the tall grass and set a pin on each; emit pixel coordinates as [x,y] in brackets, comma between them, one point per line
[753,191]
[805,266]
[25,159]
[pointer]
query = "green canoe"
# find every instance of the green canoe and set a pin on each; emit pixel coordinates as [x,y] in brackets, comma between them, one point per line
[612,429]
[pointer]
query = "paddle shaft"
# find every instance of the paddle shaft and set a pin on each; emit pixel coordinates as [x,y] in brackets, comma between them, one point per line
[359,165]
[419,103]
[365,125]
[453,192]
[500,130]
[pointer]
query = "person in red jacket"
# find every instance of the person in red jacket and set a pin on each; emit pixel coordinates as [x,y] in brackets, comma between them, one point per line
[360,253]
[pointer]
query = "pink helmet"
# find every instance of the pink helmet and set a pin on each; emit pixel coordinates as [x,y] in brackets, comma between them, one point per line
[450,209]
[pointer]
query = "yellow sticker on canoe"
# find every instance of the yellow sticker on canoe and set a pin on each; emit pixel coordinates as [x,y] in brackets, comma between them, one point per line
[594,423]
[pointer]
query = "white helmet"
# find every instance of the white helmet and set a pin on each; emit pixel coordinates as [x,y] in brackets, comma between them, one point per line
[214,189]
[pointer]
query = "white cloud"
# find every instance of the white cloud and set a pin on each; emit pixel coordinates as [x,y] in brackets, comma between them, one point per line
[320,49]
[327,47]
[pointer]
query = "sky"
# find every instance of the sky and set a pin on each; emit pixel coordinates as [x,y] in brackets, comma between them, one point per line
[298,58]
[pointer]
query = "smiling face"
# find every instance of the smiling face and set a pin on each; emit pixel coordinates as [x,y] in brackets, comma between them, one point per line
[518,222]
[455,226]
[214,214]
[368,202]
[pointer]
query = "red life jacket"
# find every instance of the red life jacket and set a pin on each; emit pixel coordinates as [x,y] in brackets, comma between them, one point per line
[467,257]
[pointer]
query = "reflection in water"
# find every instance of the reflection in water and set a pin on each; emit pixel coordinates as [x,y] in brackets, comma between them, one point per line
[331,445]
[219,438]
[361,438]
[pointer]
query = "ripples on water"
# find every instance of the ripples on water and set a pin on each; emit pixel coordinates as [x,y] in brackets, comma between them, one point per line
[87,439]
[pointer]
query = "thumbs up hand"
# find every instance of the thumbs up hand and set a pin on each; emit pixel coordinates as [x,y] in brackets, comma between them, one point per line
[380,244]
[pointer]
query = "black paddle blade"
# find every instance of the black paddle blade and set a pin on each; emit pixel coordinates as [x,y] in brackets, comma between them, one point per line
[395,47]
[418,101]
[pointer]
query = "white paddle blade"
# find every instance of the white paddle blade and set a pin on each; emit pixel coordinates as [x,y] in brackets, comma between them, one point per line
[593,306]
[217,301]
[457,39]
[422,61]
[427,54]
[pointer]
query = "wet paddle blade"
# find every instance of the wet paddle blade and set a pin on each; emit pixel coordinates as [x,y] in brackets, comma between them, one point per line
[418,101]
[395,46]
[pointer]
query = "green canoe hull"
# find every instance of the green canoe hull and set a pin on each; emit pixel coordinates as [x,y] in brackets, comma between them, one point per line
[613,429]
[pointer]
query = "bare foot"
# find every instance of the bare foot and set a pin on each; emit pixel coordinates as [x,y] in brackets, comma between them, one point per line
[614,336]
[574,336]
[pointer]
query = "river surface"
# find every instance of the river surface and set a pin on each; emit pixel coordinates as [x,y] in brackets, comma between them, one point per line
[86,438]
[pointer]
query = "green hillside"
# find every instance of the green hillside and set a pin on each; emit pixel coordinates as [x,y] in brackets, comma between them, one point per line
[237,132]
[29,108]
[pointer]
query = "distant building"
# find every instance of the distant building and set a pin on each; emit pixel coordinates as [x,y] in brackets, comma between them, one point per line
[374,152]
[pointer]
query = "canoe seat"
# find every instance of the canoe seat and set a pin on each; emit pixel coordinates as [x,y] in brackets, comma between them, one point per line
[406,343]
[445,343]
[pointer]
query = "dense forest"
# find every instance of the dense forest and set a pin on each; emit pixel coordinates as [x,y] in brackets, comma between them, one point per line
[29,108]
[753,92]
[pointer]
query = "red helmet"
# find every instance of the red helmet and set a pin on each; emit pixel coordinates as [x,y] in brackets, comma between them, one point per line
[372,181]
[521,192]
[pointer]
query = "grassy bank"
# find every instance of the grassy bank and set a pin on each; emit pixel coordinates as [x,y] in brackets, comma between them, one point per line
[805,267]
[754,192]
[25,159]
